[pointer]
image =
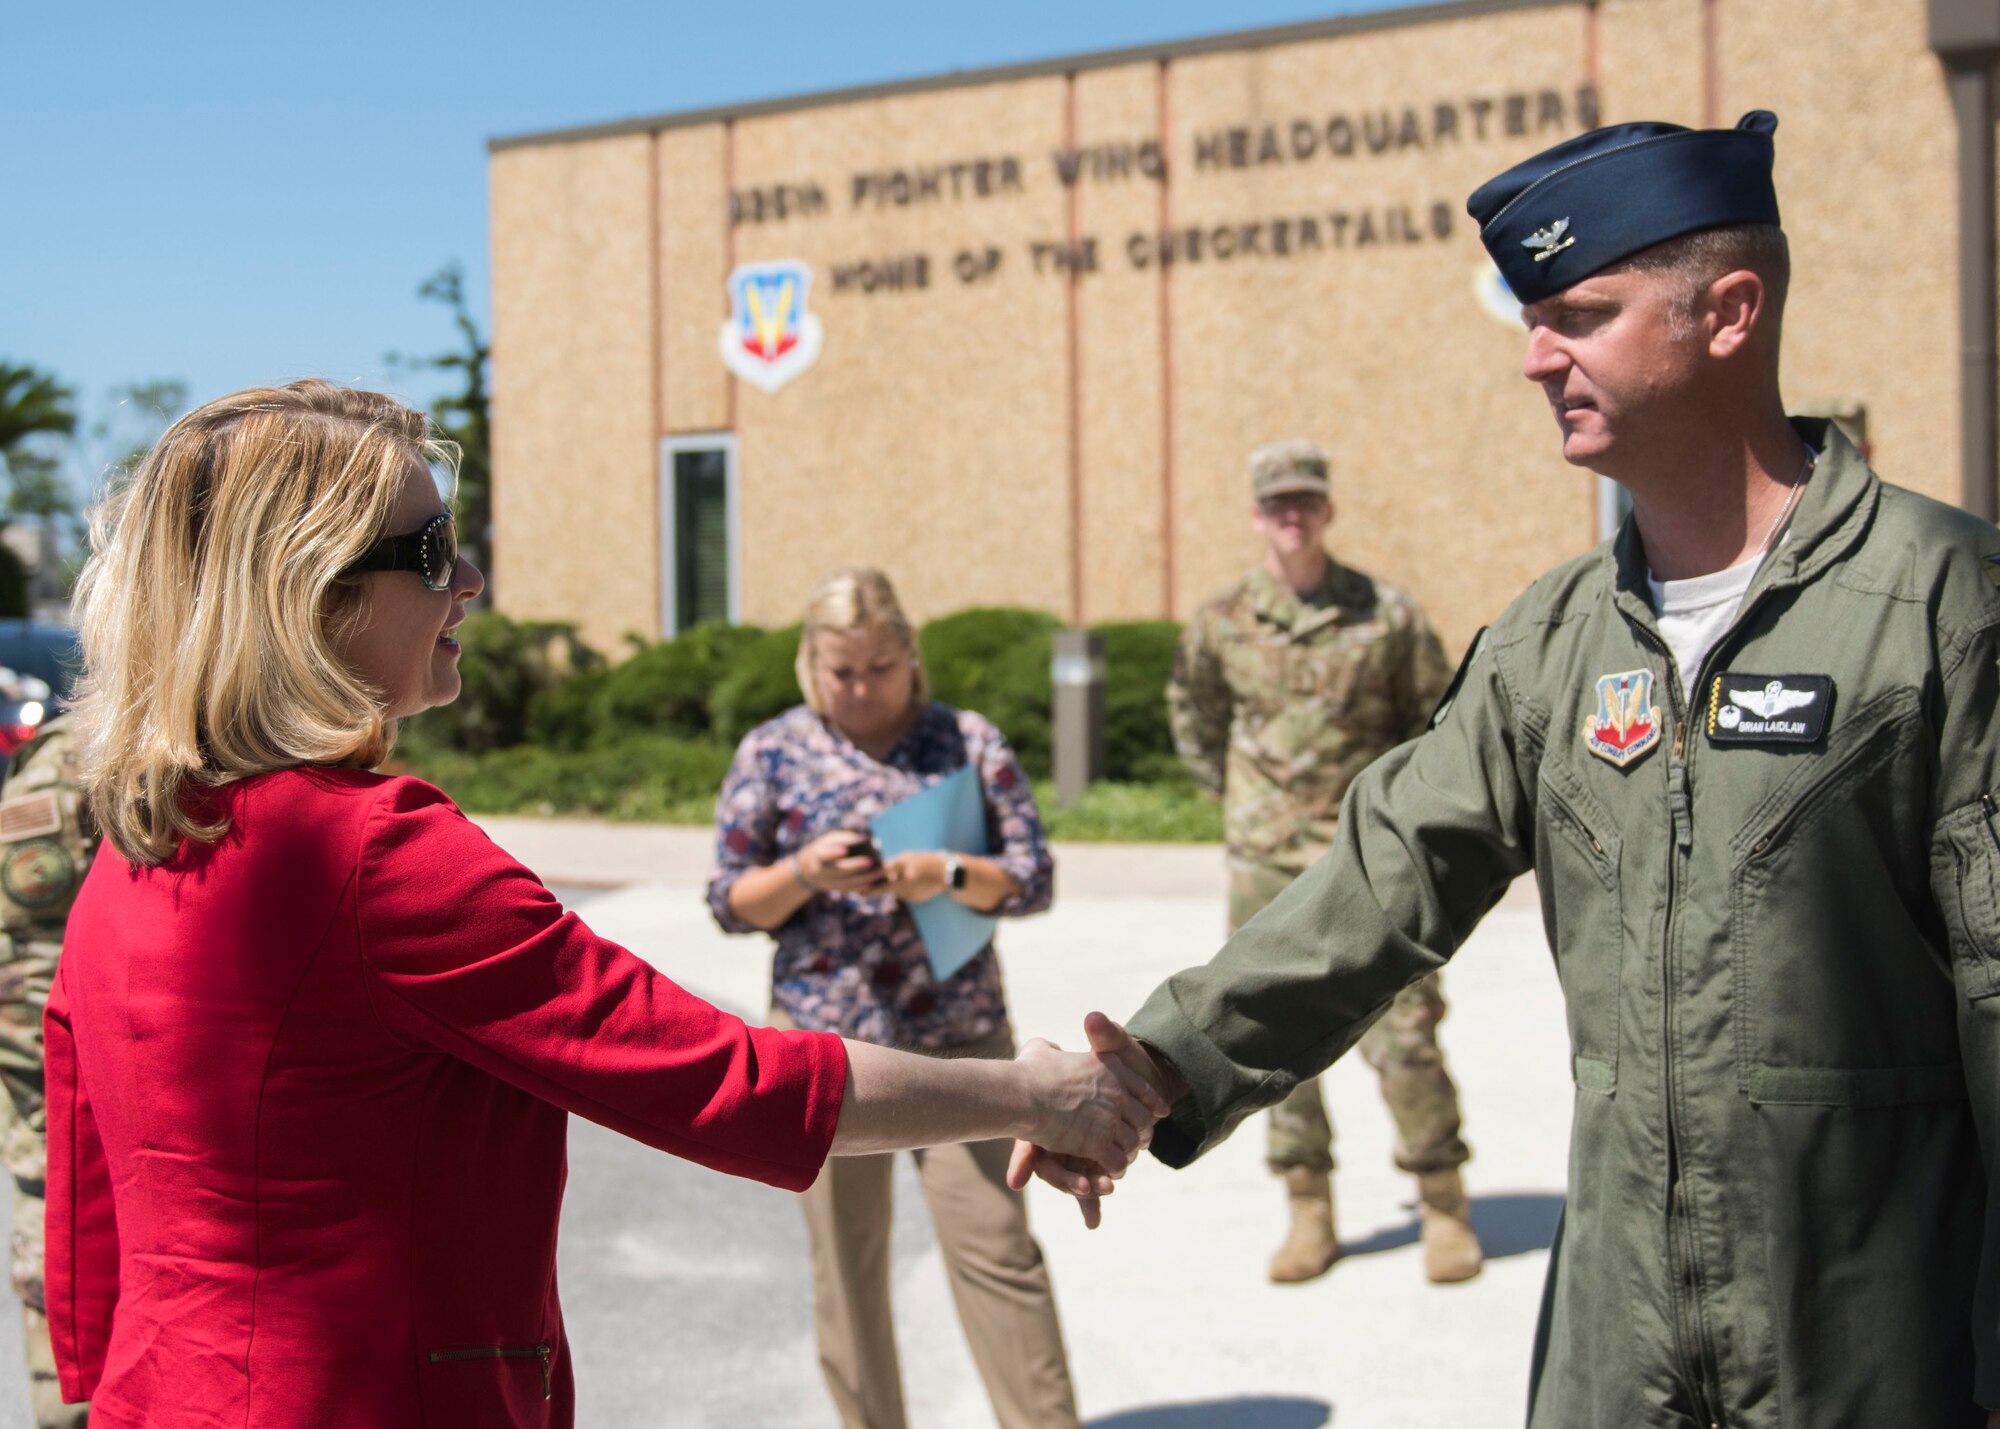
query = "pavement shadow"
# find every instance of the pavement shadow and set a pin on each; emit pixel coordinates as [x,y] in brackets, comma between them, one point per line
[1253,1412]
[1511,1224]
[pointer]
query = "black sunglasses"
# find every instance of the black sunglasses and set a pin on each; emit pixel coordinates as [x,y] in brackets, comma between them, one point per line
[431,551]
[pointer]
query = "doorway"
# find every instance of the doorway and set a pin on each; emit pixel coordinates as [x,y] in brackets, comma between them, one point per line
[699,533]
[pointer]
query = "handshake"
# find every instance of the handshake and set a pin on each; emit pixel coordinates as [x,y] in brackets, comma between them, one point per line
[1094,1112]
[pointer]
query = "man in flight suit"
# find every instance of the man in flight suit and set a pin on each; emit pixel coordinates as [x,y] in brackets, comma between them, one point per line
[46,844]
[1749,749]
[1287,685]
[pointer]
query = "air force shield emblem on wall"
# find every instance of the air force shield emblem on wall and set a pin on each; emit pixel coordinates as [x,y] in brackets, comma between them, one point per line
[1627,722]
[770,335]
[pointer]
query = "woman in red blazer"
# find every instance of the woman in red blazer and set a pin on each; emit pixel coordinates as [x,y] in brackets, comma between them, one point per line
[314,1038]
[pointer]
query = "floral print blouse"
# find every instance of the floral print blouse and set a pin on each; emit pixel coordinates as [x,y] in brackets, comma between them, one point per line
[850,963]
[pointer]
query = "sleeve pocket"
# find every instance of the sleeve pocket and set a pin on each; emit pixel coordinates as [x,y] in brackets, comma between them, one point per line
[1965,874]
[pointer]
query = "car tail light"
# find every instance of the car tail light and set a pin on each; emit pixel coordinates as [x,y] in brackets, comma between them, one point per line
[20,723]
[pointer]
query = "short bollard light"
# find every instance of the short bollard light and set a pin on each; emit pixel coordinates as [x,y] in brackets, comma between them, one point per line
[1077,674]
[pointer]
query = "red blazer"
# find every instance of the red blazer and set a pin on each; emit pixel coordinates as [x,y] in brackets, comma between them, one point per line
[307,1095]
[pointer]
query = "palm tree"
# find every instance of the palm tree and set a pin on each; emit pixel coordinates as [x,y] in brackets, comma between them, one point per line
[32,403]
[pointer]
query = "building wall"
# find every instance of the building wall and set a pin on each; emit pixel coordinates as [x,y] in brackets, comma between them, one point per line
[1063,423]
[692,262]
[574,443]
[1378,350]
[931,438]
[1867,188]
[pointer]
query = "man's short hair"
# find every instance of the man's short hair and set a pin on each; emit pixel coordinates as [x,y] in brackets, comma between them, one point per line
[1699,258]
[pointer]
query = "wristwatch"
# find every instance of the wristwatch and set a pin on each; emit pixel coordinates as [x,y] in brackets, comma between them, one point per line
[954,872]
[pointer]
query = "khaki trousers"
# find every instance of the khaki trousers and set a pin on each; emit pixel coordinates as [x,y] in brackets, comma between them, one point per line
[999,1281]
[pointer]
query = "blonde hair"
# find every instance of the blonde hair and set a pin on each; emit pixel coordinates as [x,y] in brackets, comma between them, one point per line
[212,609]
[851,600]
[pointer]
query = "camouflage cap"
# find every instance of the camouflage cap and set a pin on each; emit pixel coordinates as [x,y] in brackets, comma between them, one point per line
[1279,468]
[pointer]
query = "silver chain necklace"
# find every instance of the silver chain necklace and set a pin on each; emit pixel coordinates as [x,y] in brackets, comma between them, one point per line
[1798,485]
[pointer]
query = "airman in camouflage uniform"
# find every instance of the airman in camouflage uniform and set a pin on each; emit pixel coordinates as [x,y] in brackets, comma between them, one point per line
[1287,686]
[46,844]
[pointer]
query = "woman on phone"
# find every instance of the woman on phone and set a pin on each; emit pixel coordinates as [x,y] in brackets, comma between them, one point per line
[794,859]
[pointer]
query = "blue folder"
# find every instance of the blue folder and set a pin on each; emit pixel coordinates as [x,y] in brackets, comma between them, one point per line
[950,816]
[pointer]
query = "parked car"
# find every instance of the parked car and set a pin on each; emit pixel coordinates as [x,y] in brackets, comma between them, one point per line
[39,663]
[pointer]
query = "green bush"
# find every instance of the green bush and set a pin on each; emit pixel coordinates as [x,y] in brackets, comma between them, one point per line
[760,682]
[502,666]
[1153,767]
[658,779]
[995,659]
[552,725]
[647,777]
[1138,662]
[667,686]
[1134,813]
[568,714]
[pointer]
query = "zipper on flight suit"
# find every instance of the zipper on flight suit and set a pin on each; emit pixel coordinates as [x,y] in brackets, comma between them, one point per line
[543,1352]
[1704,1381]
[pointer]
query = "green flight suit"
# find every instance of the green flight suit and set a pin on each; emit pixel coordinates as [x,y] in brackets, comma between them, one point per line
[46,844]
[1780,961]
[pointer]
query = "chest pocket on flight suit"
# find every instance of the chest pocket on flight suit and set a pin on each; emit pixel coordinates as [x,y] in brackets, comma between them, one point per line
[1583,911]
[1835,999]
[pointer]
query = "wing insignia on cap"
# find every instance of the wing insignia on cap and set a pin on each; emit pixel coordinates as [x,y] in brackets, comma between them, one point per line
[1550,240]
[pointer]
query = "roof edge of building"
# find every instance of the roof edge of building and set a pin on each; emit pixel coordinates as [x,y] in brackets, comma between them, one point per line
[1390,17]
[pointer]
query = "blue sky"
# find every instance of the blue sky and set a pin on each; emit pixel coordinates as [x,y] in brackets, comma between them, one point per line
[231,194]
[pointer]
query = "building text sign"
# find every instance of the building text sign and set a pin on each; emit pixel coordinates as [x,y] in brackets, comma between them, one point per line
[771,336]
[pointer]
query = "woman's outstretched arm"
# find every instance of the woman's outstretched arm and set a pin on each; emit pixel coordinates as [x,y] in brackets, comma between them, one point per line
[1082,1104]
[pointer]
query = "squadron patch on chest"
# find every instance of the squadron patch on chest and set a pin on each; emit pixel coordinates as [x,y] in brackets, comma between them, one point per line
[1991,565]
[1768,709]
[1626,723]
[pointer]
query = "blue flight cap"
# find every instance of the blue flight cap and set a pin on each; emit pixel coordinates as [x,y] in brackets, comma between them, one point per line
[1555,219]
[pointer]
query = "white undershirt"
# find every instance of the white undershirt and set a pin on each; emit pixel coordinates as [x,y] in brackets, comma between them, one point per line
[1696,612]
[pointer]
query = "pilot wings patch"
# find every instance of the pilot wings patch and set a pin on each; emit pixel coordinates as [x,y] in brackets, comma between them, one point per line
[1768,709]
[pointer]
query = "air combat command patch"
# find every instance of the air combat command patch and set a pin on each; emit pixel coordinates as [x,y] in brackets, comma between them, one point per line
[1627,722]
[771,334]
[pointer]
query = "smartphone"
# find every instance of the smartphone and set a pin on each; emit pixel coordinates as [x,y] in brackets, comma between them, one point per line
[862,845]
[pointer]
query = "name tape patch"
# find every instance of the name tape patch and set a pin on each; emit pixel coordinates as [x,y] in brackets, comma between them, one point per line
[1768,709]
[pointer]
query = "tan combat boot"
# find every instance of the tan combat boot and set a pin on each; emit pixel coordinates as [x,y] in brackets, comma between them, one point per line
[1451,1250]
[1310,1246]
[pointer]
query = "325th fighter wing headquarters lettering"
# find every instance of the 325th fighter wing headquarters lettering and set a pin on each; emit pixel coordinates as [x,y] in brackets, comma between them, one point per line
[1299,139]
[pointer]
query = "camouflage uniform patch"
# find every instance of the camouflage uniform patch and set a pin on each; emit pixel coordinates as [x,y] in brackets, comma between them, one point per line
[46,844]
[1277,703]
[38,874]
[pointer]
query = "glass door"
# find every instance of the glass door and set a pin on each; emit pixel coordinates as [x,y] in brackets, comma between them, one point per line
[698,532]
